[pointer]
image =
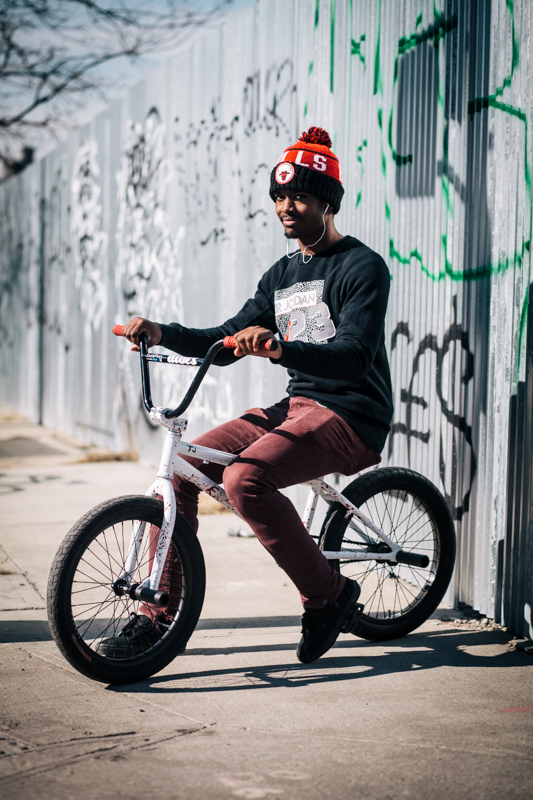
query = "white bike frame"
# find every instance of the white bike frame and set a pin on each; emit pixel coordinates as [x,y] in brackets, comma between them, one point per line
[172,464]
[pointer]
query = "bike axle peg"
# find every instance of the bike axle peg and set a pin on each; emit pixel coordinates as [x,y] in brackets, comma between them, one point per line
[412,559]
[139,592]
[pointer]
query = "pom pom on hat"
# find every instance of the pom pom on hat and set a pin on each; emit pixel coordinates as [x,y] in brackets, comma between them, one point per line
[316,136]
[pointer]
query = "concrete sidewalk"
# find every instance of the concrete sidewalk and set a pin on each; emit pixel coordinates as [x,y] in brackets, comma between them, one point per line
[446,712]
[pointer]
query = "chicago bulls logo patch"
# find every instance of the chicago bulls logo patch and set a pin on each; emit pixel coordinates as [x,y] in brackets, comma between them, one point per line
[284,172]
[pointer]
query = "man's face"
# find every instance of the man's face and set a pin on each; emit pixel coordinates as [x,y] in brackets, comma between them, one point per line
[301,214]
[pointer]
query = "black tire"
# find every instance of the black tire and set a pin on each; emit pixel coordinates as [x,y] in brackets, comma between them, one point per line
[411,511]
[83,608]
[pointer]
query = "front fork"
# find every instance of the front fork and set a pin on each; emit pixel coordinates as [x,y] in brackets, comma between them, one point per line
[162,486]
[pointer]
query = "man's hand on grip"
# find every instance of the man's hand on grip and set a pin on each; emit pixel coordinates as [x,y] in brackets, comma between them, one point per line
[249,343]
[138,326]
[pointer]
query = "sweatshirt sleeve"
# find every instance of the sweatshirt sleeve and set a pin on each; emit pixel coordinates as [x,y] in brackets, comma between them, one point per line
[360,329]
[196,342]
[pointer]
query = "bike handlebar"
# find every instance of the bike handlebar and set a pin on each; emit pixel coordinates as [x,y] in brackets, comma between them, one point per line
[204,364]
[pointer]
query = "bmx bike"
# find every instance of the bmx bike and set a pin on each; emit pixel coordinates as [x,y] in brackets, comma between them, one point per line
[390,530]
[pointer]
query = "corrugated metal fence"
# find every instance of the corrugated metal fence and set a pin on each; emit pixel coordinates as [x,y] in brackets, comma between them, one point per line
[160,207]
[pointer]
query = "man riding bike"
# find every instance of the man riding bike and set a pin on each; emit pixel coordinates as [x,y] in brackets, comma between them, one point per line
[327,303]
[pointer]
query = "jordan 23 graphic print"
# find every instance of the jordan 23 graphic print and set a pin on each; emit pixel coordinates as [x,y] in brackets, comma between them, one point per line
[301,315]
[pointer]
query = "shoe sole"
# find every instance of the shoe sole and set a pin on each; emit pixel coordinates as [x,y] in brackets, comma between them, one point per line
[122,653]
[131,652]
[348,622]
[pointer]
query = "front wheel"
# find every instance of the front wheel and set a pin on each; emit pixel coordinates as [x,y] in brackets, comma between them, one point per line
[411,511]
[91,623]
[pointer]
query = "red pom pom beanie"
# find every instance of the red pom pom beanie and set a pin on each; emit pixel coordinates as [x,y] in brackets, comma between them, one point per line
[310,166]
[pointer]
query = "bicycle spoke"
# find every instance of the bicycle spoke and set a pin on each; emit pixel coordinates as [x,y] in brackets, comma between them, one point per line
[429,534]
[90,621]
[93,566]
[114,622]
[91,589]
[402,523]
[100,605]
[106,550]
[371,598]
[120,547]
[414,532]
[119,565]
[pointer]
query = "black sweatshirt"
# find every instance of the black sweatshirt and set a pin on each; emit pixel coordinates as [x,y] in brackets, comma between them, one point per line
[330,315]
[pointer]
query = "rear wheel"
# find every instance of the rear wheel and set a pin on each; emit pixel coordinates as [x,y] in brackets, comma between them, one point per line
[85,611]
[411,511]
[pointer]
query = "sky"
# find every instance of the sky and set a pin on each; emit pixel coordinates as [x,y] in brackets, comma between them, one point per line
[124,73]
[117,76]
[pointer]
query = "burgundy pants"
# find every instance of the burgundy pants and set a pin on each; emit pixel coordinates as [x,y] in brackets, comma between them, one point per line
[293,441]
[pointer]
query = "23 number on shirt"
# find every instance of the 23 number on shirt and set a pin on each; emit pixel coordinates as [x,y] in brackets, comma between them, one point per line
[312,324]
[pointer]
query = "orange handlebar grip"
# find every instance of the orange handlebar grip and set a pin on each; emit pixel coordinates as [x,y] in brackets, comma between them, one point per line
[271,345]
[118,330]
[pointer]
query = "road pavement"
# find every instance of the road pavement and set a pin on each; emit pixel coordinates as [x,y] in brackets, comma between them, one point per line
[446,712]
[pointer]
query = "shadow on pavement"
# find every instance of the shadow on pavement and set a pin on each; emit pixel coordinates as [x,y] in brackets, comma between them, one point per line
[430,650]
[12,631]
[234,623]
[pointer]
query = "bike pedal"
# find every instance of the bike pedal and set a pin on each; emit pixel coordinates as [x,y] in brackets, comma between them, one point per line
[352,622]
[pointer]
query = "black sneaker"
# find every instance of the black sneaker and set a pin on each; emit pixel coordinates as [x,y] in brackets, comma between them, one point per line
[137,636]
[321,626]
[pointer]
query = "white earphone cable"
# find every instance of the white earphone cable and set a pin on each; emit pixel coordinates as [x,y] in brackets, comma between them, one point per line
[309,245]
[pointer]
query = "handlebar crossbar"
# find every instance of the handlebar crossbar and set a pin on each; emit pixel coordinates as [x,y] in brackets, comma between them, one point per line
[183,361]
[202,363]
[193,388]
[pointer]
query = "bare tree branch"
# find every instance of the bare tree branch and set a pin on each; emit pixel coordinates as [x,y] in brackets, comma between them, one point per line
[51,51]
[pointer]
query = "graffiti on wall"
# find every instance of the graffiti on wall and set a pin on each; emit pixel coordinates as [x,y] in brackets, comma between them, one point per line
[148,270]
[408,145]
[218,146]
[148,253]
[89,238]
[13,287]
[453,356]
